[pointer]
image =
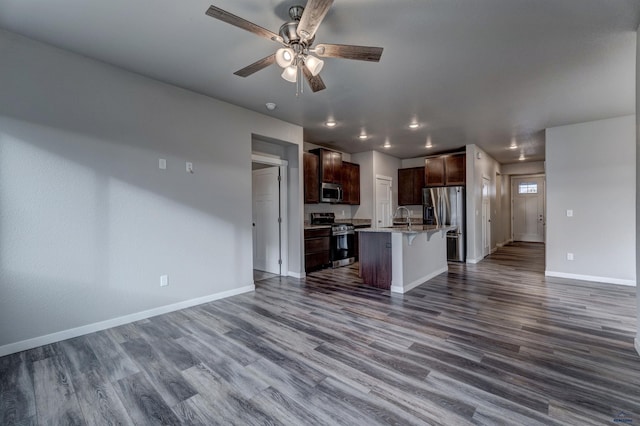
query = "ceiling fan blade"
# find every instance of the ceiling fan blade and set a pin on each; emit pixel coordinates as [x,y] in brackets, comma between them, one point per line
[313,14]
[347,51]
[315,83]
[256,66]
[232,19]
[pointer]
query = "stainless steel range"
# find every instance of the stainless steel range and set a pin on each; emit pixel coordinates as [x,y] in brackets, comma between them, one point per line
[342,251]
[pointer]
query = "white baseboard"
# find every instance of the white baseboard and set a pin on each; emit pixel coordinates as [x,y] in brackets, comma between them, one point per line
[296,274]
[416,283]
[474,260]
[607,280]
[636,343]
[114,322]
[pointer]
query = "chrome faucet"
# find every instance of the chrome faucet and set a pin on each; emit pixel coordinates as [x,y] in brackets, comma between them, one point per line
[408,215]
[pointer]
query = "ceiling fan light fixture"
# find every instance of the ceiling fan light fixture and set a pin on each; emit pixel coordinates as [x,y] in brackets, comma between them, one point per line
[285,56]
[313,64]
[290,74]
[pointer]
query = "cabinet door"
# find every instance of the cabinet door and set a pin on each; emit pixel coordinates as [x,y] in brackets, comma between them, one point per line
[335,167]
[418,184]
[311,185]
[405,187]
[455,167]
[355,184]
[434,171]
[350,183]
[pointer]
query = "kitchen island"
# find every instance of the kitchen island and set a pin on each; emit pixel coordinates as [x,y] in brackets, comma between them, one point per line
[400,258]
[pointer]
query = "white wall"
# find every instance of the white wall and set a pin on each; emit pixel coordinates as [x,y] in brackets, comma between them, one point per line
[531,168]
[477,169]
[365,209]
[88,222]
[637,339]
[591,170]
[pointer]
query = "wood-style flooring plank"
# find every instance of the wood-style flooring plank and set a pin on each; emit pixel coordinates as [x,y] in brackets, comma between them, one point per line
[490,343]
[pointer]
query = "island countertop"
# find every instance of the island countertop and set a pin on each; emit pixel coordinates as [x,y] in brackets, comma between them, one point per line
[414,229]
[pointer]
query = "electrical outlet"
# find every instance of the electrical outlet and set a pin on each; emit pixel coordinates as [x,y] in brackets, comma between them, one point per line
[569,213]
[569,256]
[189,167]
[164,280]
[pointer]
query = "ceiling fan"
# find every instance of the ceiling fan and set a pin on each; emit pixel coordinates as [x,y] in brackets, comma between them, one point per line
[297,37]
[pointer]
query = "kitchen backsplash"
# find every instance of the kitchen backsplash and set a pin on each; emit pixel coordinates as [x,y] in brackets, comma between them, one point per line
[340,210]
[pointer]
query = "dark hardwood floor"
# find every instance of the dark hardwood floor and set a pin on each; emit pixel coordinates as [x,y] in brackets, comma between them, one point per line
[492,343]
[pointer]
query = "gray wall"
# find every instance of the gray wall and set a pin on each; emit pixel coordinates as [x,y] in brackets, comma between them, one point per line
[590,169]
[477,169]
[88,222]
[637,339]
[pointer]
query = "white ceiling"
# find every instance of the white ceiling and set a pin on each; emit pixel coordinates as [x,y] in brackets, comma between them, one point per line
[469,71]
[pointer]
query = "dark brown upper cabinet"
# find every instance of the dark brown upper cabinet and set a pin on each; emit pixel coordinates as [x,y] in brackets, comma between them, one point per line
[311,178]
[330,165]
[445,170]
[350,183]
[455,169]
[410,184]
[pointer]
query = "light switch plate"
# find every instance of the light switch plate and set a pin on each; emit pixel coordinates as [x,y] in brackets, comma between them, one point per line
[162,164]
[164,280]
[569,213]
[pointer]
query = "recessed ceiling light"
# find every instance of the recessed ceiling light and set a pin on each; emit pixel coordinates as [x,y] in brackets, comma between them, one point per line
[387,144]
[330,123]
[363,136]
[513,145]
[414,125]
[270,106]
[521,158]
[428,145]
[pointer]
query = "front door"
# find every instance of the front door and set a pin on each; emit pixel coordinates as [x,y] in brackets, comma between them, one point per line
[266,226]
[383,201]
[528,208]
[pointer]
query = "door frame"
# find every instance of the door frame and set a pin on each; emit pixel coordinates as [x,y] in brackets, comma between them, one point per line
[486,216]
[284,202]
[544,202]
[375,197]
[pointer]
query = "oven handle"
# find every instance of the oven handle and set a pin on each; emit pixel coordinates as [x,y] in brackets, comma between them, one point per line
[350,232]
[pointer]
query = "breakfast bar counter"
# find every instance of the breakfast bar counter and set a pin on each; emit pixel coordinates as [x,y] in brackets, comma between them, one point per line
[401,258]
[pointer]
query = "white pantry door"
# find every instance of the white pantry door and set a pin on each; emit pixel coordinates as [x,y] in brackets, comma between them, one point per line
[266,227]
[528,208]
[383,201]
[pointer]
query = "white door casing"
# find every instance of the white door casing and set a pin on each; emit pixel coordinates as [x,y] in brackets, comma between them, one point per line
[528,208]
[383,202]
[486,217]
[266,228]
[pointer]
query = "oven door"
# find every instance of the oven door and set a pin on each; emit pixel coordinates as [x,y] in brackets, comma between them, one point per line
[342,248]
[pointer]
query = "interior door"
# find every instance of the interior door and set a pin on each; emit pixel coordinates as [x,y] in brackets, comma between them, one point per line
[528,208]
[383,202]
[486,218]
[266,226]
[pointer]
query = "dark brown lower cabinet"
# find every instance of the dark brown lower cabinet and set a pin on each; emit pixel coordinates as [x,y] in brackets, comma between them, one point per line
[316,248]
[375,258]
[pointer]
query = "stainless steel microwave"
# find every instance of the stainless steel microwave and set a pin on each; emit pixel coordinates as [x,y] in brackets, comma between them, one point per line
[331,193]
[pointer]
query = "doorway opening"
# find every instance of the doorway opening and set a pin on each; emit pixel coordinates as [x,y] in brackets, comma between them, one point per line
[486,217]
[528,197]
[269,216]
[383,201]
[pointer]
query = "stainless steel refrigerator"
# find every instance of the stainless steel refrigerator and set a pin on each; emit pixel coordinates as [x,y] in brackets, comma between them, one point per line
[445,205]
